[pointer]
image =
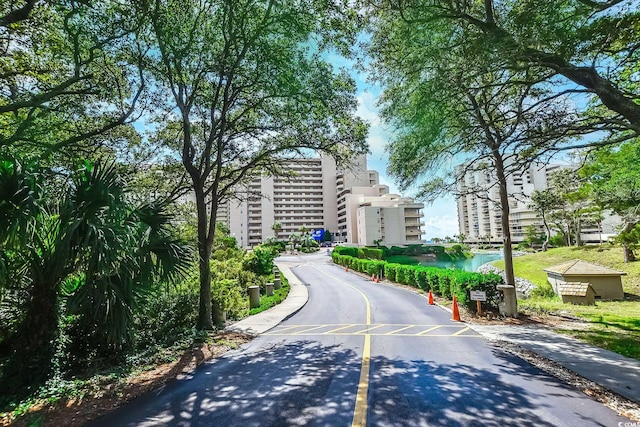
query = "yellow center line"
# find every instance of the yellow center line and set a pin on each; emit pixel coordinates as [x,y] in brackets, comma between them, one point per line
[339,329]
[460,331]
[398,330]
[428,330]
[366,300]
[360,411]
[368,329]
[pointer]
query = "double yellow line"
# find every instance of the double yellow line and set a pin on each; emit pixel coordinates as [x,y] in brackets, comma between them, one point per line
[360,411]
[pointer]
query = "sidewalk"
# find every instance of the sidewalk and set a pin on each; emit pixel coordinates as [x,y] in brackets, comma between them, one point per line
[611,370]
[262,322]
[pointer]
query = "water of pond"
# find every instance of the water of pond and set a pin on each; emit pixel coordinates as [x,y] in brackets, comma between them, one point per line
[468,264]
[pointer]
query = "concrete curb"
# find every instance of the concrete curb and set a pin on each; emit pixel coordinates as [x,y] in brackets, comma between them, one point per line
[262,322]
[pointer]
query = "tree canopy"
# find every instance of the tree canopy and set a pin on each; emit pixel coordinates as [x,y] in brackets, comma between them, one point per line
[588,48]
[241,88]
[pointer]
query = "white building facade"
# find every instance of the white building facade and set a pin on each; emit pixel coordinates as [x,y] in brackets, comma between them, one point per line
[479,213]
[321,195]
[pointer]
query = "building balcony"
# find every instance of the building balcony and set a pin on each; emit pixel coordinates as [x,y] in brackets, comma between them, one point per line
[412,214]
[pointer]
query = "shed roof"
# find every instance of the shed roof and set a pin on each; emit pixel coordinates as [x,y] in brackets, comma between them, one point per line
[583,268]
[576,289]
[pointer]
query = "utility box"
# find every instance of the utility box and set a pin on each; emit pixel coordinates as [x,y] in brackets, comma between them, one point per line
[508,305]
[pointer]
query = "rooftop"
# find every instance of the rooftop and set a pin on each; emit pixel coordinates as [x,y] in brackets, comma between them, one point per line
[577,289]
[579,267]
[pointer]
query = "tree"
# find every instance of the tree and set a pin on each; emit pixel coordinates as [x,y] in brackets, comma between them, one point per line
[615,180]
[591,44]
[545,202]
[81,239]
[242,92]
[277,228]
[533,236]
[575,202]
[447,102]
[70,77]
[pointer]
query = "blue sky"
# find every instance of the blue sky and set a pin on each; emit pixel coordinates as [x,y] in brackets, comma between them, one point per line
[440,217]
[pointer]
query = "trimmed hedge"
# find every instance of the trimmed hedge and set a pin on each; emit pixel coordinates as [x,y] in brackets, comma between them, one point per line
[413,250]
[370,253]
[440,281]
[346,250]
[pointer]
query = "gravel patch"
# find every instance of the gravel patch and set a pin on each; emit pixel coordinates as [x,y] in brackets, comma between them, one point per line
[523,286]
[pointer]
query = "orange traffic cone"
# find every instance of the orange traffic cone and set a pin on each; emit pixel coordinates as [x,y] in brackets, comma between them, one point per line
[456,313]
[431,298]
[373,279]
[378,279]
[346,269]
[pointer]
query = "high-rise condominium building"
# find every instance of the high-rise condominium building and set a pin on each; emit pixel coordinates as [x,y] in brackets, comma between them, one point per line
[321,195]
[479,214]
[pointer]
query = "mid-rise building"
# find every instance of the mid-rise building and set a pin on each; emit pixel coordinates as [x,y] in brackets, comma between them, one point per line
[479,213]
[389,220]
[317,195]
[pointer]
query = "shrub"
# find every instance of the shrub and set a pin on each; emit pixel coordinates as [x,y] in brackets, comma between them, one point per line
[443,282]
[405,275]
[543,291]
[422,278]
[403,259]
[230,295]
[390,271]
[346,250]
[370,253]
[259,261]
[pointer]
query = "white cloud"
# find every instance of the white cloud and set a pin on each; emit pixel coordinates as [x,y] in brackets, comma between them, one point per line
[367,109]
[439,226]
[377,141]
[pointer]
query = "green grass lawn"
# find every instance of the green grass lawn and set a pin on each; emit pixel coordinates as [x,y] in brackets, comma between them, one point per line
[614,325]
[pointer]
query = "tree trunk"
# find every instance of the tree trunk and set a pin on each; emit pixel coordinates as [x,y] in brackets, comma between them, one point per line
[629,256]
[33,346]
[545,245]
[205,321]
[506,230]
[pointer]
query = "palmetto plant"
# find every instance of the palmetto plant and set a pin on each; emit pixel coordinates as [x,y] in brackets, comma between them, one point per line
[88,247]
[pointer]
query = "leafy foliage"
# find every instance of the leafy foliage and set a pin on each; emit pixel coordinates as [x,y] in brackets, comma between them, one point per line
[241,92]
[89,249]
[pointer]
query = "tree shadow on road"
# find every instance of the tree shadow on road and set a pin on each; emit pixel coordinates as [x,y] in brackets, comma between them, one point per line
[309,383]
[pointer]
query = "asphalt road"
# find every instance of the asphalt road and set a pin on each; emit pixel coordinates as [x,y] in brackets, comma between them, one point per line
[361,353]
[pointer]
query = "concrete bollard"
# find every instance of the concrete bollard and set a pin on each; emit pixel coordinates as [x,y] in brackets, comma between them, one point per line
[276,283]
[269,289]
[254,296]
[219,315]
